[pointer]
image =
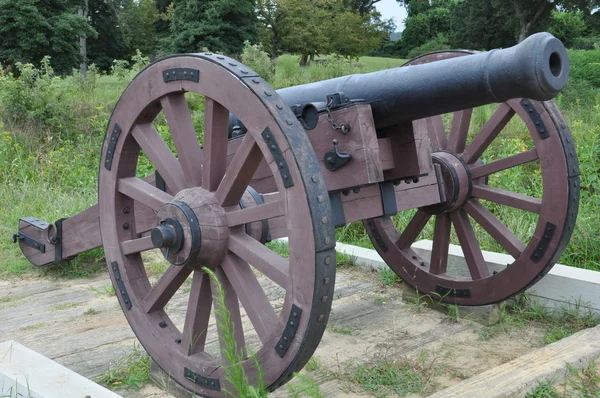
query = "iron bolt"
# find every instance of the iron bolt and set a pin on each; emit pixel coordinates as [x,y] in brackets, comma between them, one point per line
[126,210]
[126,226]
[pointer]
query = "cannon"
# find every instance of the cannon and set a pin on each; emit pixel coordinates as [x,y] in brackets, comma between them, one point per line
[395,149]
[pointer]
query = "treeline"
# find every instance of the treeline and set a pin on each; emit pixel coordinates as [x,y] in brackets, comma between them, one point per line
[75,33]
[483,25]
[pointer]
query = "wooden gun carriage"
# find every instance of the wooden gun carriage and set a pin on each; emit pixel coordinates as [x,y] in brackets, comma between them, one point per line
[297,163]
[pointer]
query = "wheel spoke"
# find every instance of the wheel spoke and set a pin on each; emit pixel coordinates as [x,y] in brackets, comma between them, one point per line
[441,244]
[488,133]
[143,192]
[251,295]
[509,241]
[507,198]
[216,127]
[469,244]
[435,131]
[234,325]
[165,288]
[182,130]
[413,229]
[271,264]
[137,245]
[256,213]
[241,169]
[197,315]
[478,171]
[160,155]
[459,130]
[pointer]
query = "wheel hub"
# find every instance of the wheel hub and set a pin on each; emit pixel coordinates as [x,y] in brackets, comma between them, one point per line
[192,230]
[457,182]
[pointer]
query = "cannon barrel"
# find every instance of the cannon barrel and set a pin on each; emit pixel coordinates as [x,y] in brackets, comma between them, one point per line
[537,68]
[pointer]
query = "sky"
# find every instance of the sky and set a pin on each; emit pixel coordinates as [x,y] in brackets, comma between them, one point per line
[391,9]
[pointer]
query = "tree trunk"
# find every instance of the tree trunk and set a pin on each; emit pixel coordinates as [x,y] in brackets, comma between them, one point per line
[524,23]
[83,12]
[304,60]
[274,45]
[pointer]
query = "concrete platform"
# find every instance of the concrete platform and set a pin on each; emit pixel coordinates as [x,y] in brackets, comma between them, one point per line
[25,373]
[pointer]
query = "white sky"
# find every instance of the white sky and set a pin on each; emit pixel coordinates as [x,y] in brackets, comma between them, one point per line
[391,9]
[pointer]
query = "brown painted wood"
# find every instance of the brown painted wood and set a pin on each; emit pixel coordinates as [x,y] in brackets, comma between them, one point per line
[159,153]
[165,288]
[469,245]
[496,166]
[143,192]
[488,133]
[269,263]
[410,149]
[182,129]
[197,316]
[251,295]
[216,127]
[459,130]
[441,245]
[508,198]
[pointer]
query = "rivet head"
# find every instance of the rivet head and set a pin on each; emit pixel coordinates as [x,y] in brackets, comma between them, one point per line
[232,64]
[126,226]
[320,318]
[314,178]
[178,341]
[279,106]
[320,198]
[289,122]
[281,165]
[291,323]
[285,339]
[328,260]
[327,240]
[162,324]
[126,210]
[326,281]
[281,346]
[268,93]
[285,177]
[256,80]
[324,220]
[220,57]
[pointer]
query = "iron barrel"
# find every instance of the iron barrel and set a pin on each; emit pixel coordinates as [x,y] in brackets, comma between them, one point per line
[537,68]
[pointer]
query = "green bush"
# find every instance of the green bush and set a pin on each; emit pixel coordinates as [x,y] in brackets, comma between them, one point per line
[257,59]
[440,42]
[585,65]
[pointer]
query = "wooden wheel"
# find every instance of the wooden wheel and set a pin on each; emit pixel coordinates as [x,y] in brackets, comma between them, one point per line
[200,219]
[539,226]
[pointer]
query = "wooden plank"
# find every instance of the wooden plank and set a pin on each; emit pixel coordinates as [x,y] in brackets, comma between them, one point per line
[519,376]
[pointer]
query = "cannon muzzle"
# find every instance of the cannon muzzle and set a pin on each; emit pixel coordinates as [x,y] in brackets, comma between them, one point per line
[537,68]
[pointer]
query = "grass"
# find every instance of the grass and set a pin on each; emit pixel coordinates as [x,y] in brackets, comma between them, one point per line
[108,290]
[386,377]
[388,277]
[335,327]
[91,311]
[64,306]
[11,300]
[584,383]
[557,325]
[129,372]
[313,364]
[34,326]
[304,386]
[543,390]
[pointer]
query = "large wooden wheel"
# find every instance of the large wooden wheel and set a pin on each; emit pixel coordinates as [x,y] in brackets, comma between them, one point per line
[200,218]
[476,201]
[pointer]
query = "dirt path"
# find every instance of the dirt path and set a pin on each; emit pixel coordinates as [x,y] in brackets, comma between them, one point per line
[369,325]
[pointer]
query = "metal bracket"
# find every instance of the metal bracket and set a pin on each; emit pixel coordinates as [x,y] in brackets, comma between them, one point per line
[451,292]
[208,383]
[29,241]
[278,156]
[36,222]
[541,248]
[110,151]
[336,159]
[121,285]
[388,199]
[536,118]
[175,74]
[337,209]
[289,332]
[57,241]
[265,235]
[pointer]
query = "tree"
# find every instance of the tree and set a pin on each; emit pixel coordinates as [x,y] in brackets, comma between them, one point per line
[317,27]
[138,18]
[220,25]
[567,26]
[109,44]
[478,25]
[271,17]
[424,26]
[31,29]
